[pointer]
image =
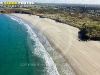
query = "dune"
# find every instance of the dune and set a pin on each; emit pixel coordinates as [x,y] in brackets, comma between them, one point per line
[83,57]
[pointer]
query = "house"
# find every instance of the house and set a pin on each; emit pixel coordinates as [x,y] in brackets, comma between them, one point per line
[16,4]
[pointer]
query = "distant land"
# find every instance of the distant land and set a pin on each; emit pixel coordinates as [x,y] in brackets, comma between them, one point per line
[75,25]
[85,17]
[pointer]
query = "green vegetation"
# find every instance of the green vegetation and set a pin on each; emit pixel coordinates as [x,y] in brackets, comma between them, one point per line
[92,31]
[87,19]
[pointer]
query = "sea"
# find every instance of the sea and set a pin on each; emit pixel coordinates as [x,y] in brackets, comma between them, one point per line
[21,52]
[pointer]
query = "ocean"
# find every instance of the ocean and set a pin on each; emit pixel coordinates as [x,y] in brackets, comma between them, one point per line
[21,52]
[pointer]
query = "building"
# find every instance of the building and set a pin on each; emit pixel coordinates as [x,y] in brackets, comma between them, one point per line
[25,4]
[1,4]
[15,4]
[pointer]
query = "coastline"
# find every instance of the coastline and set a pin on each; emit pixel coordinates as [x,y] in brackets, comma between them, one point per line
[60,64]
[63,38]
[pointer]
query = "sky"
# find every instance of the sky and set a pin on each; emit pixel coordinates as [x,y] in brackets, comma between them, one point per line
[60,1]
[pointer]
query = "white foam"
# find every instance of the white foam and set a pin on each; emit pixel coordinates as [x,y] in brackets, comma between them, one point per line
[39,48]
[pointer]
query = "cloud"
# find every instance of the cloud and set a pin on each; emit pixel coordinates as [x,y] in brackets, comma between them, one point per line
[62,1]
[72,1]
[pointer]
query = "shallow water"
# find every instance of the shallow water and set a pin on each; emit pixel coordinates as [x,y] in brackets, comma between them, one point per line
[21,53]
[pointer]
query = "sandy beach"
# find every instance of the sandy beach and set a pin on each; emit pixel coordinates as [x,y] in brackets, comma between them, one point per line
[83,57]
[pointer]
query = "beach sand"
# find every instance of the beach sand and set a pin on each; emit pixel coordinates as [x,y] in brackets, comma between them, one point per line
[83,57]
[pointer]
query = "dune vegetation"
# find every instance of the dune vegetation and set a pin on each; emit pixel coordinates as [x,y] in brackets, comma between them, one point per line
[84,17]
[86,20]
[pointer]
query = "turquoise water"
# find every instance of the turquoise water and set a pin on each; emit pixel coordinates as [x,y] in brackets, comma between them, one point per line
[21,53]
[14,52]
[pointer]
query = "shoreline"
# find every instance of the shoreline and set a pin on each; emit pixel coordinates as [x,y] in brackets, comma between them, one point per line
[81,56]
[62,67]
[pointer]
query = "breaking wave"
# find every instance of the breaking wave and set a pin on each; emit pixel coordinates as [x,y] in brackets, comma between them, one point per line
[37,49]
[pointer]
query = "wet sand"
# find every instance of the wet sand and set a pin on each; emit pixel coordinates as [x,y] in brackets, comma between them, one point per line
[83,57]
